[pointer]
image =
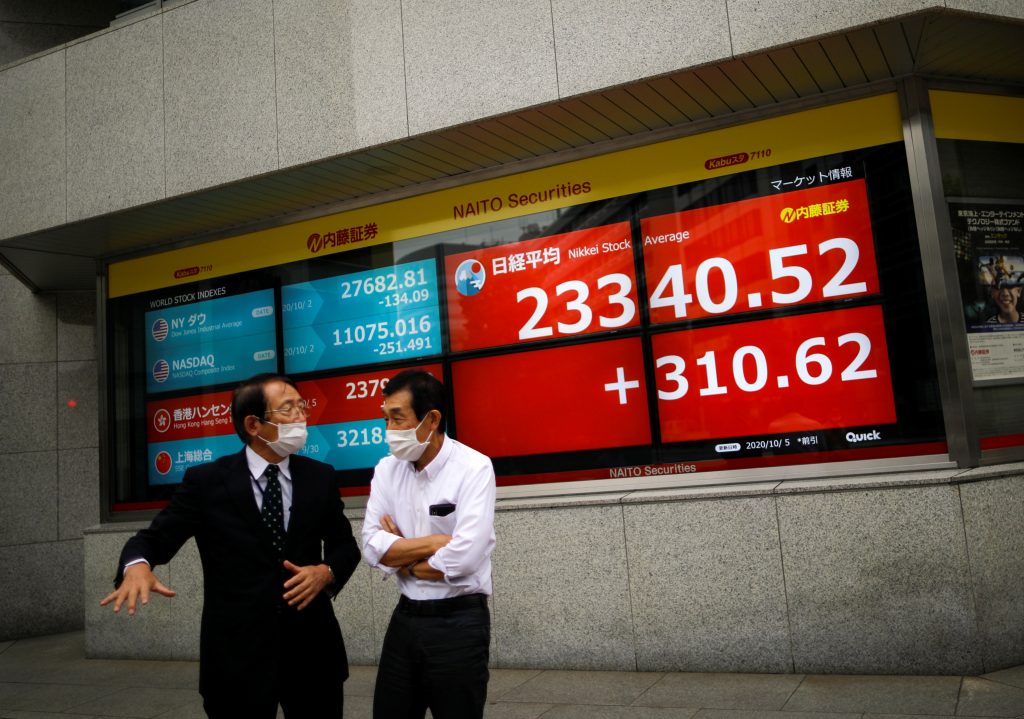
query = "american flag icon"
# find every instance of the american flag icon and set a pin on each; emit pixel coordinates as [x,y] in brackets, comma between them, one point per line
[159,329]
[160,370]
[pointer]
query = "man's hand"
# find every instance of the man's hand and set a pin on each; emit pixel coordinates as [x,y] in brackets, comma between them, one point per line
[403,551]
[389,525]
[138,582]
[423,570]
[306,583]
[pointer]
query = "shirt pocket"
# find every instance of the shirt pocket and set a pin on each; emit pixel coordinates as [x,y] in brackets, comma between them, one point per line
[442,515]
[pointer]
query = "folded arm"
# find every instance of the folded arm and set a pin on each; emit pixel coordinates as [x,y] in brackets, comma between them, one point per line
[472,538]
[404,551]
[385,546]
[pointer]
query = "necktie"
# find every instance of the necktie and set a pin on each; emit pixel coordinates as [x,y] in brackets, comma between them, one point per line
[273,509]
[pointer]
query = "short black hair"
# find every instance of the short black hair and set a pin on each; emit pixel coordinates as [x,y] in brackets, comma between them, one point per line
[250,399]
[427,393]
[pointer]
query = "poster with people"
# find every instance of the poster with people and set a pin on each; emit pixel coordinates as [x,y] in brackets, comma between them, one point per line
[989,241]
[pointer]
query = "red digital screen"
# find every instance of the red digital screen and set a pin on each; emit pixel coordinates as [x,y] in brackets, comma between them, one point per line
[351,397]
[203,415]
[562,399]
[788,249]
[559,286]
[808,372]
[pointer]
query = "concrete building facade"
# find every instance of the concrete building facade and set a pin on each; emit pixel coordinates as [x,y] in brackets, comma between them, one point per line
[197,121]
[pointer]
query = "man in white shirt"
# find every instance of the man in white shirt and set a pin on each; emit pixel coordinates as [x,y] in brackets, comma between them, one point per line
[430,522]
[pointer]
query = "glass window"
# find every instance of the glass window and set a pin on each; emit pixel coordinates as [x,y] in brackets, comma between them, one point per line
[981,156]
[763,317]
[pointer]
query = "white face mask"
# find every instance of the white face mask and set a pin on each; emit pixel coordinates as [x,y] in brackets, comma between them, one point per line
[404,444]
[291,437]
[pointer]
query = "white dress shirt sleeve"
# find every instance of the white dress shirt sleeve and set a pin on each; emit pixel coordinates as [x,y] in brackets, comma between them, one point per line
[474,527]
[377,541]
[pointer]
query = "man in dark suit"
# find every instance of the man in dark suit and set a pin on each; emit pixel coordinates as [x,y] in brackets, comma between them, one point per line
[260,517]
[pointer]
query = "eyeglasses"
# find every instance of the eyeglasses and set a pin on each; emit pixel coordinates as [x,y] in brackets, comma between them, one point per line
[298,409]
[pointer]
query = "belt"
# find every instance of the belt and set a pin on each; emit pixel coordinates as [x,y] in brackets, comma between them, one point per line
[441,607]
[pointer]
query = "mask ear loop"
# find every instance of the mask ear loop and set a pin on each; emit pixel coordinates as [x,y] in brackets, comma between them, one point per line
[427,415]
[261,421]
[265,440]
[427,440]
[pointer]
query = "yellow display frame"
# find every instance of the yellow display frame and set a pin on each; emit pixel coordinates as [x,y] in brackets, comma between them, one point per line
[973,116]
[808,133]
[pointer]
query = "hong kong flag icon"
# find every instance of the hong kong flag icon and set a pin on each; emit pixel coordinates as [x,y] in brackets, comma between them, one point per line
[162,420]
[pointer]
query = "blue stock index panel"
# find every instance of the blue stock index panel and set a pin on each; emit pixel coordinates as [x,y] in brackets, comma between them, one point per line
[210,342]
[347,445]
[361,318]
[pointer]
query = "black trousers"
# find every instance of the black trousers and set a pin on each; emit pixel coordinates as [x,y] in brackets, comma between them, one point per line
[297,704]
[304,690]
[435,656]
[317,706]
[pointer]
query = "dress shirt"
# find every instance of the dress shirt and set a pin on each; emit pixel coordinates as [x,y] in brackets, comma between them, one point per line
[458,475]
[257,466]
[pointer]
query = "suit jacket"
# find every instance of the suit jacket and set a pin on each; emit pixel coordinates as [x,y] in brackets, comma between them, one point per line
[247,630]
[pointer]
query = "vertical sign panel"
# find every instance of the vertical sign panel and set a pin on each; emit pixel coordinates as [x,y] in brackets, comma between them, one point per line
[791,374]
[362,318]
[187,431]
[210,342]
[563,399]
[790,249]
[560,286]
[346,426]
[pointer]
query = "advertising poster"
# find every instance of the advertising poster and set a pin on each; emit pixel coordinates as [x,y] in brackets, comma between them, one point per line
[989,240]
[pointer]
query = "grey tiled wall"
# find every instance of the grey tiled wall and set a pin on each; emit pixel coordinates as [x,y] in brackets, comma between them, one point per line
[204,92]
[128,114]
[707,586]
[994,525]
[207,92]
[49,476]
[878,581]
[851,576]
